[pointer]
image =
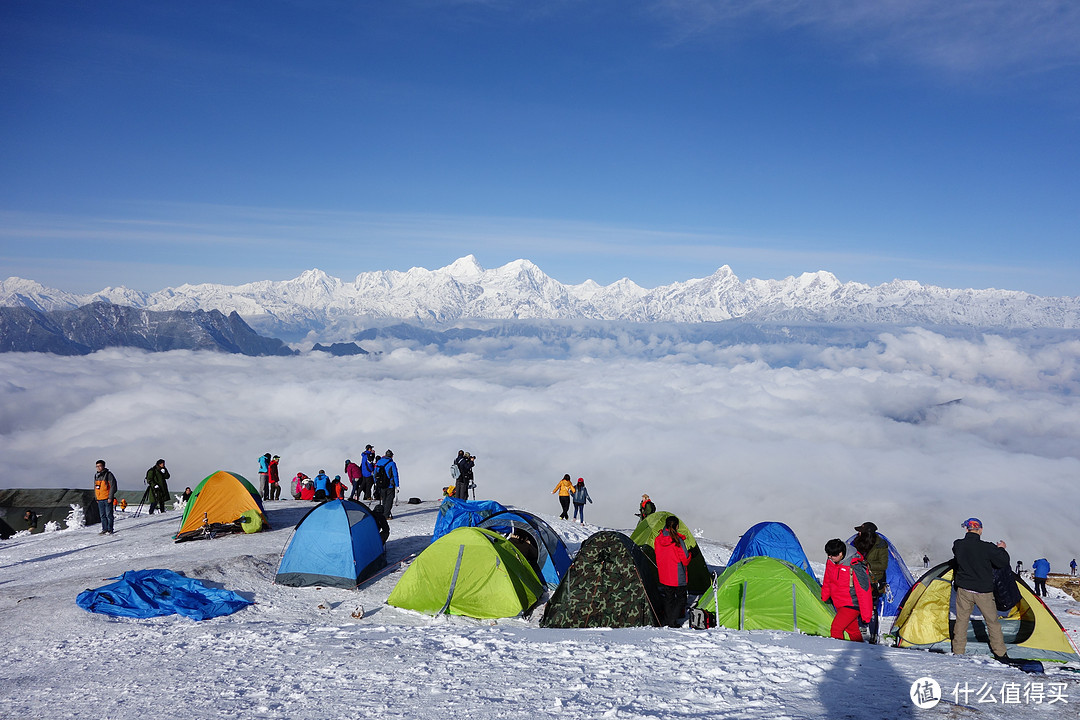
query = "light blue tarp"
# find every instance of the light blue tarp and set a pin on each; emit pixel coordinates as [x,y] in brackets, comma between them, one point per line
[553,558]
[337,544]
[152,593]
[462,513]
[775,540]
[898,578]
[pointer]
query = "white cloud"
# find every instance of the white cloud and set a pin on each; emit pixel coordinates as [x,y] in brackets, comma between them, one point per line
[724,436]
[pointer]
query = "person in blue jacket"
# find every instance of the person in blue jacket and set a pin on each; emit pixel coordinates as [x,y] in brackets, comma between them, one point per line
[322,486]
[580,496]
[367,472]
[1040,570]
[1072,567]
[387,482]
[264,476]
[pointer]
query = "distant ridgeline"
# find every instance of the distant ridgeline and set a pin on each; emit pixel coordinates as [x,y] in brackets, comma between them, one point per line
[51,505]
[101,325]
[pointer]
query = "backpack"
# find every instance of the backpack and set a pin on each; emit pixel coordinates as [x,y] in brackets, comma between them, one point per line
[382,479]
[701,619]
[455,471]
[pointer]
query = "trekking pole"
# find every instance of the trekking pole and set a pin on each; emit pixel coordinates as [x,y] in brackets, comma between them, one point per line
[138,510]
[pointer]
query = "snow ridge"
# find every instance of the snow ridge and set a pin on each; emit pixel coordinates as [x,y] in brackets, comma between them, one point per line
[464,290]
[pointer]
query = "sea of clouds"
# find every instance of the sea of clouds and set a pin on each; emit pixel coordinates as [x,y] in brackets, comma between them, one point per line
[915,430]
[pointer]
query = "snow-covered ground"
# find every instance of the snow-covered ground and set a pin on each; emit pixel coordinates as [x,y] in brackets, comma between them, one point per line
[301,653]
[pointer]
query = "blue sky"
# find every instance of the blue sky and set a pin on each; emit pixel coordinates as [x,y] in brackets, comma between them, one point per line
[152,144]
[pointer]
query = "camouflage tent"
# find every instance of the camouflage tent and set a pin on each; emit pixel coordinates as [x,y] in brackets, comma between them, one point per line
[609,584]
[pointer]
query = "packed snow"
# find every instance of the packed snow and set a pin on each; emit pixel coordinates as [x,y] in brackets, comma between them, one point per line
[332,653]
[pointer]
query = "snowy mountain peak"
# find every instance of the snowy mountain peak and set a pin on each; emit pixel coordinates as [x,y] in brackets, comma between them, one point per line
[465,269]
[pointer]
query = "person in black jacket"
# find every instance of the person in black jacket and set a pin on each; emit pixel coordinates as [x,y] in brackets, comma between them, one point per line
[973,579]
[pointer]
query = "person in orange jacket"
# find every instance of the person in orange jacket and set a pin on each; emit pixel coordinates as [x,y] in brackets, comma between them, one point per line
[847,585]
[565,488]
[672,560]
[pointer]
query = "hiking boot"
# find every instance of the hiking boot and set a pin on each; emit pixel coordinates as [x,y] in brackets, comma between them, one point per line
[101,533]
[1003,659]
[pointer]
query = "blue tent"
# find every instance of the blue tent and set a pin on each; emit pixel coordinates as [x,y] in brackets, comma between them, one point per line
[462,513]
[152,593]
[337,544]
[775,540]
[897,576]
[526,531]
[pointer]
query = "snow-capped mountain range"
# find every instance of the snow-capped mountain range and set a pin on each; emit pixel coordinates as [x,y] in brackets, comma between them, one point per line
[463,290]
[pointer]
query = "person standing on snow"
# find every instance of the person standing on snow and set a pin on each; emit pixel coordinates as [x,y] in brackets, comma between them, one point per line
[105,494]
[387,481]
[847,586]
[352,471]
[1072,567]
[580,496]
[367,472]
[973,579]
[264,476]
[156,486]
[1040,570]
[672,561]
[564,488]
[646,508]
[275,478]
[875,552]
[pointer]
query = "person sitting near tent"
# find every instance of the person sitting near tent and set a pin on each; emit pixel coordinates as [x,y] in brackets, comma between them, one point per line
[975,560]
[847,586]
[322,486]
[367,472]
[1040,570]
[31,519]
[672,560]
[307,489]
[264,475]
[387,482]
[298,485]
[564,488]
[580,496]
[875,552]
[156,487]
[275,478]
[337,488]
[646,508]
[352,471]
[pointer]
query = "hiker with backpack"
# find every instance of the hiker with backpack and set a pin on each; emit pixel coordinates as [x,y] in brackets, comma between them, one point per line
[847,586]
[322,486]
[973,579]
[565,488]
[580,496]
[672,560]
[463,465]
[387,482]
[875,551]
[105,494]
[646,508]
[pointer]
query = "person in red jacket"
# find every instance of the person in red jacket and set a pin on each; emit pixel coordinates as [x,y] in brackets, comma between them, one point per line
[847,585]
[672,560]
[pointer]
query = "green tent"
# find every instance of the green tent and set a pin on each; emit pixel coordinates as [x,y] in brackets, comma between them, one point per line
[650,526]
[764,593]
[472,572]
[607,585]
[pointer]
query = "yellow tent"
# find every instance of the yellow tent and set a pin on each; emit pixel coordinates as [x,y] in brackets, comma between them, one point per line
[221,498]
[1031,631]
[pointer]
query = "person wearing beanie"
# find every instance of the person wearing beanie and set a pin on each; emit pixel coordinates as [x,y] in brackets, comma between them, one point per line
[973,579]
[580,497]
